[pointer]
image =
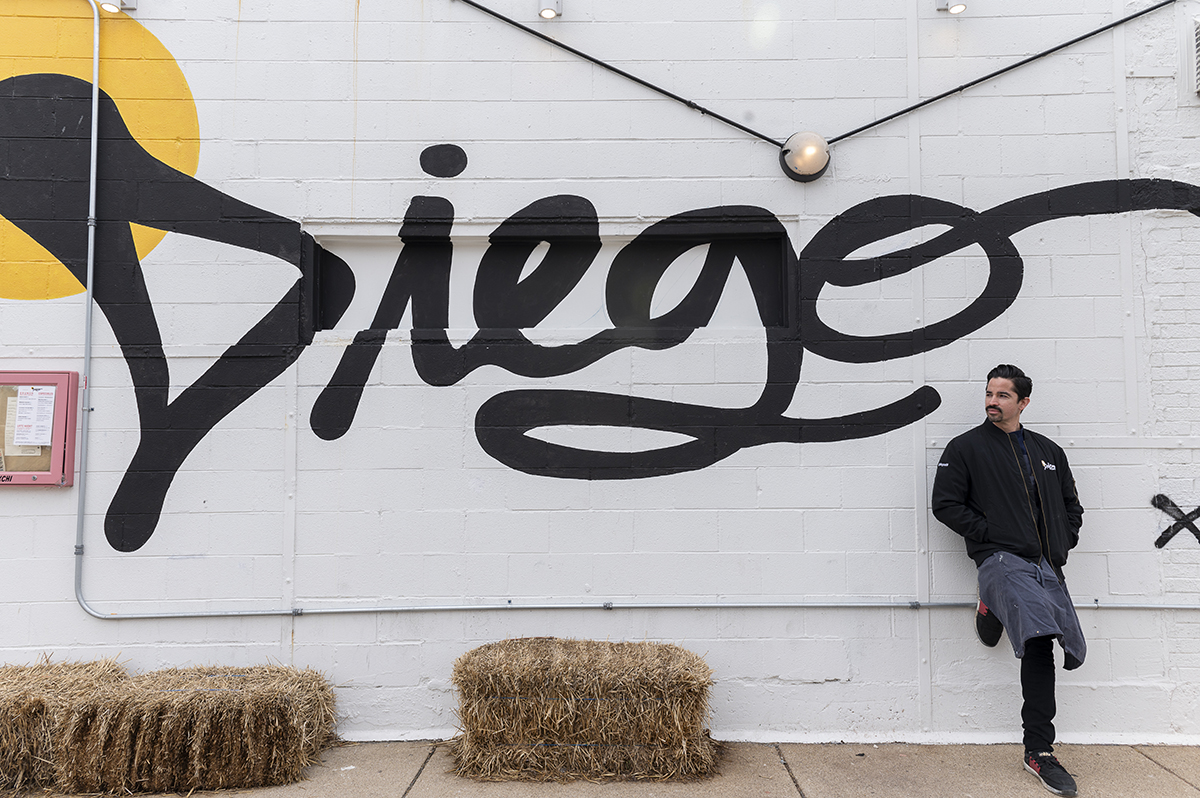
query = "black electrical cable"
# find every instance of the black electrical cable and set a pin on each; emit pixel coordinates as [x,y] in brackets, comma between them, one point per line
[999,72]
[689,103]
[697,107]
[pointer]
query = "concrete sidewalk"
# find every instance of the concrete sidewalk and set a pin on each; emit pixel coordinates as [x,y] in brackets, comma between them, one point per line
[754,770]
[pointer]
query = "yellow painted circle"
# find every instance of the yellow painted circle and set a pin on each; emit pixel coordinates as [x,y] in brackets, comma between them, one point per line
[136,71]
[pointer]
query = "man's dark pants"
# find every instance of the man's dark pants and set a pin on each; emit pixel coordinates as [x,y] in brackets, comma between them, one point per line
[1037,688]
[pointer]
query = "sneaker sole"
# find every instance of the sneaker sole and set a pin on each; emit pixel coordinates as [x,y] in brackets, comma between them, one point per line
[978,634]
[1067,793]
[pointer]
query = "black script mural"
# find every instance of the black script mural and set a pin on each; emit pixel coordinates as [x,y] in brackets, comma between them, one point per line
[44,122]
[786,290]
[503,306]
[1182,520]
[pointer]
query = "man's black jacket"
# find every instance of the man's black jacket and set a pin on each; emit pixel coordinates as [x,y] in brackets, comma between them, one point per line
[980,493]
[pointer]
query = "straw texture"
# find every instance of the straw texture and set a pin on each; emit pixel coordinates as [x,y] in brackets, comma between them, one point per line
[550,709]
[198,728]
[91,728]
[34,701]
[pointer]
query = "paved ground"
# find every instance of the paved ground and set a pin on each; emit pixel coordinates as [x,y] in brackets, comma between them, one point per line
[421,770]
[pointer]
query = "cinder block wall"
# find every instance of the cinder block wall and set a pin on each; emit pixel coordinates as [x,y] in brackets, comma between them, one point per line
[319,112]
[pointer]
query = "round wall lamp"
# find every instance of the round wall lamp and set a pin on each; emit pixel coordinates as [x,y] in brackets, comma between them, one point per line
[550,9]
[951,6]
[804,157]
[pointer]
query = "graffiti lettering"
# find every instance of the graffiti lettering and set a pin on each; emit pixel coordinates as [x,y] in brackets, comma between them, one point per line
[6,478]
[750,236]
[44,194]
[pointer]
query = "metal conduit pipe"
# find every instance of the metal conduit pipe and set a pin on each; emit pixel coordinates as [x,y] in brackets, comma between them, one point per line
[85,396]
[296,611]
[608,605]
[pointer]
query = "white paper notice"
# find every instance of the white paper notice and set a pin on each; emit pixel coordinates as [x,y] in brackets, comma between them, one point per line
[10,431]
[35,415]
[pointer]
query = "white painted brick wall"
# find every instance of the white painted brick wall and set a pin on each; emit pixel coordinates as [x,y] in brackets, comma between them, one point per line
[319,112]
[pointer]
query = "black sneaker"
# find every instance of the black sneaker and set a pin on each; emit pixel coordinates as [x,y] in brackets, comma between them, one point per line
[987,626]
[1054,777]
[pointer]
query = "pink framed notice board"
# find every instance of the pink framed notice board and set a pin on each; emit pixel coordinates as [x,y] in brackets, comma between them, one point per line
[38,413]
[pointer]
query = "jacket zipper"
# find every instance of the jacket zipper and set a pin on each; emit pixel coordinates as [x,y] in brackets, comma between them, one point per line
[1042,553]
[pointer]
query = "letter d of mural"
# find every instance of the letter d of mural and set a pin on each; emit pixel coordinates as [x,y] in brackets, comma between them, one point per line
[43,202]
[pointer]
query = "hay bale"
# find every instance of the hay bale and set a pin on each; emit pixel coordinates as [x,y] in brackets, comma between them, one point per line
[543,709]
[34,701]
[198,728]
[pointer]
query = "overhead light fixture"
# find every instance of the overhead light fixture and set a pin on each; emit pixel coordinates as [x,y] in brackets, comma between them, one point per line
[550,9]
[804,157]
[123,5]
[952,7]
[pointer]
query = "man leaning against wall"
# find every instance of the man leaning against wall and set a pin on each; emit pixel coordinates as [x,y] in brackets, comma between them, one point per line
[1009,492]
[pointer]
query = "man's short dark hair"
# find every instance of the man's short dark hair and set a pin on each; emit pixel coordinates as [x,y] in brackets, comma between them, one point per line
[1007,371]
